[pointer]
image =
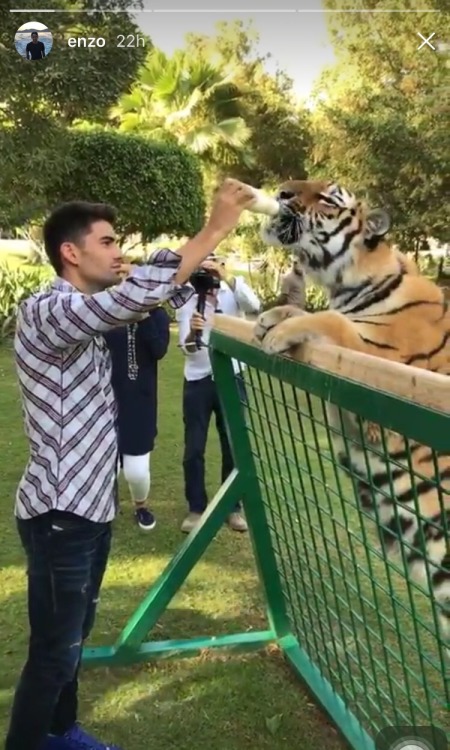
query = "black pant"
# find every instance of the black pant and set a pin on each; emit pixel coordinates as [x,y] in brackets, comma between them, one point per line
[67,557]
[200,401]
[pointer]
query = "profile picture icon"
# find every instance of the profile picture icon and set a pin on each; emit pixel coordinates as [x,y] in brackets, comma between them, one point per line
[33,40]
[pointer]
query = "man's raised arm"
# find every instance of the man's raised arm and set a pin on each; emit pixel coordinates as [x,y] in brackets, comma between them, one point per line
[63,319]
[231,199]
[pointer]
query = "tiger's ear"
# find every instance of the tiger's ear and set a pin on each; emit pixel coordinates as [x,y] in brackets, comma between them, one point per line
[377,224]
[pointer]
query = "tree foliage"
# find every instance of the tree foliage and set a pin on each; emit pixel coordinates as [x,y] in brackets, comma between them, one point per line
[71,82]
[189,100]
[39,102]
[379,122]
[215,97]
[381,119]
[279,127]
[157,188]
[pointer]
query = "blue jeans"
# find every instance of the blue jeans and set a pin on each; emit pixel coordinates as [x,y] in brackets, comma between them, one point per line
[200,402]
[67,557]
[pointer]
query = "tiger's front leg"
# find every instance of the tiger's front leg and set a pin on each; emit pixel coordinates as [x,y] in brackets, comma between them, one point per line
[273,318]
[280,329]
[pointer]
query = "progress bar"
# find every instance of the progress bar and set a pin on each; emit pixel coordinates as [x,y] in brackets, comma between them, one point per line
[137,11]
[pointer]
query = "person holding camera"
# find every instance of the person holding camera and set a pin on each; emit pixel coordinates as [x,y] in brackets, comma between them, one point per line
[232,296]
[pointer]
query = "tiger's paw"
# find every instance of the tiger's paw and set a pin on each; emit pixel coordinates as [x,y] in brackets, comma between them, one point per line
[283,337]
[372,432]
[271,318]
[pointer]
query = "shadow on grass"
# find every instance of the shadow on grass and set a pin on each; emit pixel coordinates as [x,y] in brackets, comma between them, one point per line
[251,701]
[177,622]
[240,702]
[221,699]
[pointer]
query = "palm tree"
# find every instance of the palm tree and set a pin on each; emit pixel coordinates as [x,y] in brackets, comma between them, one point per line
[195,102]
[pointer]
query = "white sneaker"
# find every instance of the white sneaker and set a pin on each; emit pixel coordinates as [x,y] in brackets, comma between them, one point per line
[237,522]
[190,522]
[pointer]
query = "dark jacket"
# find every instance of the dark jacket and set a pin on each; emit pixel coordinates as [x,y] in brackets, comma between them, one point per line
[137,399]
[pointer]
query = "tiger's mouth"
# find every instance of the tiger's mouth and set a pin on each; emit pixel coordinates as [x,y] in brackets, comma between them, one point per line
[286,229]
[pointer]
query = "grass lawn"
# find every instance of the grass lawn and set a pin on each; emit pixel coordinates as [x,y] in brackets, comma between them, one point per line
[229,702]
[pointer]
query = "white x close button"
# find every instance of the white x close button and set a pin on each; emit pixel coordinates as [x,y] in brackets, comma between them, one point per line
[426,41]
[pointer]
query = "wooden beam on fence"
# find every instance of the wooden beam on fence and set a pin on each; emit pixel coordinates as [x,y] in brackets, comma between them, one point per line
[421,386]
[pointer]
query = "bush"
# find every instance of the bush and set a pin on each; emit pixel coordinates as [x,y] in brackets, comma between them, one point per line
[316,298]
[16,285]
[157,188]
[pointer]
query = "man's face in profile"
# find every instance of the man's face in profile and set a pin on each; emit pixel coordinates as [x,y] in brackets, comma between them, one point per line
[34,37]
[96,257]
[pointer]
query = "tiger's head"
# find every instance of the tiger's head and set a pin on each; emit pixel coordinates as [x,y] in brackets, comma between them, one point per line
[331,232]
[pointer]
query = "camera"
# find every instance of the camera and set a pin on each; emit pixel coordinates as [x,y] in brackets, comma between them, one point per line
[204,281]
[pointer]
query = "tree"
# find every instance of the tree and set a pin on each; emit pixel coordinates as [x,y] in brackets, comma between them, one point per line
[380,124]
[279,128]
[72,82]
[156,188]
[216,98]
[39,102]
[189,100]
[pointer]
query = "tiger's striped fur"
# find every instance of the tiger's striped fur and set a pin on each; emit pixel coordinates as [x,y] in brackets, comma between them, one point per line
[380,305]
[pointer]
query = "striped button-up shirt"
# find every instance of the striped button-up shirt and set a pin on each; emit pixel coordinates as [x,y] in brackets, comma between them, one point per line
[64,372]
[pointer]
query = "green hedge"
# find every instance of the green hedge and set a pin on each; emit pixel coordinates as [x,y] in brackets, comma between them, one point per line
[157,188]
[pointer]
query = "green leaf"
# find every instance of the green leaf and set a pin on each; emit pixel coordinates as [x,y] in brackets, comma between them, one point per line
[273,724]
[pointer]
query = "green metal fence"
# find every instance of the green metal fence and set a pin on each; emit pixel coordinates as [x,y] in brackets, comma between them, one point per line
[362,636]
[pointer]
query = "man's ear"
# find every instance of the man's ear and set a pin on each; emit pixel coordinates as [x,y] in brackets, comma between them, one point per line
[377,224]
[70,253]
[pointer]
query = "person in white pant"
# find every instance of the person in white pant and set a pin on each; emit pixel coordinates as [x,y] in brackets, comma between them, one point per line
[135,352]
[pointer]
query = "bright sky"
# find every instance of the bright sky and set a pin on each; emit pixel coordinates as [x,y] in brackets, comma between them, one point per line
[33,25]
[298,42]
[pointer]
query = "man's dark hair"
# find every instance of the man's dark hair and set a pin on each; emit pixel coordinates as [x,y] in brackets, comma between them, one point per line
[71,222]
[34,32]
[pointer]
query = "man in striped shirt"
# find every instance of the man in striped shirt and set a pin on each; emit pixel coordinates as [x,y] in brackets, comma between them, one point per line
[66,499]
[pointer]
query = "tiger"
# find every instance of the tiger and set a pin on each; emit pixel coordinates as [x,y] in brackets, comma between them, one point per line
[381,305]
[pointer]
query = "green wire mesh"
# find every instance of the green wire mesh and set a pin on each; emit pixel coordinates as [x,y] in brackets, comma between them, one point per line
[371,630]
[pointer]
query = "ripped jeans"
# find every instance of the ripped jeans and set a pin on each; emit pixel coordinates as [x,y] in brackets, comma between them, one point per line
[66,558]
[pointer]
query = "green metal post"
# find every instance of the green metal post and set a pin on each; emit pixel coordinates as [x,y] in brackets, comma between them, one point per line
[251,498]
